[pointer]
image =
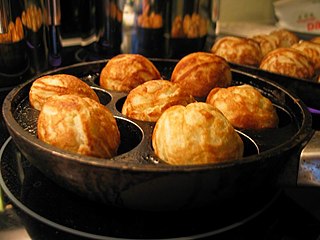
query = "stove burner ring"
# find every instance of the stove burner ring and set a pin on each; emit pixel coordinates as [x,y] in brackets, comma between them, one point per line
[15,169]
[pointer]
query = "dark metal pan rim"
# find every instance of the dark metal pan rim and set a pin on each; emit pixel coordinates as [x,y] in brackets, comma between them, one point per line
[82,233]
[303,132]
[115,164]
[257,69]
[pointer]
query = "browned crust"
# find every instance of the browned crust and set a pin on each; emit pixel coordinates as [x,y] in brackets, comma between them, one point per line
[288,61]
[58,84]
[126,71]
[315,39]
[311,50]
[195,134]
[238,50]
[149,100]
[267,42]
[286,38]
[197,73]
[244,106]
[79,125]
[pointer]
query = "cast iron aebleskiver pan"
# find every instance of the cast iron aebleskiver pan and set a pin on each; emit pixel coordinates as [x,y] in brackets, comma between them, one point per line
[136,178]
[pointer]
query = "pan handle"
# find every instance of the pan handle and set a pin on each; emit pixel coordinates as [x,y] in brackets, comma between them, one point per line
[309,165]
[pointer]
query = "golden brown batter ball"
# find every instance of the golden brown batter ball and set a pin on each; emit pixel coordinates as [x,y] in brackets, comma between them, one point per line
[288,61]
[199,72]
[58,84]
[267,42]
[244,106]
[195,134]
[286,38]
[311,50]
[315,39]
[126,71]
[80,125]
[244,51]
[149,100]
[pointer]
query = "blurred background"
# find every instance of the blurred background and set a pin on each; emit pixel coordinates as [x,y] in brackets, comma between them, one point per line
[261,11]
[36,35]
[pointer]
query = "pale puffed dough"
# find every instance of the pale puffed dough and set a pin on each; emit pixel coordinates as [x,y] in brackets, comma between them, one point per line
[195,134]
[58,84]
[244,51]
[149,100]
[288,61]
[80,125]
[244,106]
[126,71]
[197,73]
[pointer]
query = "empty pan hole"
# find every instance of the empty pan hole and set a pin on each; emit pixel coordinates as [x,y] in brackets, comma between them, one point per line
[104,97]
[97,80]
[130,135]
[250,147]
[119,103]
[284,116]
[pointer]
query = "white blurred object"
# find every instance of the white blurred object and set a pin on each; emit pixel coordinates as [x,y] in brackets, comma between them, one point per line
[298,15]
[127,26]
[244,29]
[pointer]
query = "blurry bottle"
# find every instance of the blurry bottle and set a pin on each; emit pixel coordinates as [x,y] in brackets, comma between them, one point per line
[190,24]
[127,26]
[53,21]
[78,22]
[14,61]
[148,35]
[213,28]
[33,22]
[109,34]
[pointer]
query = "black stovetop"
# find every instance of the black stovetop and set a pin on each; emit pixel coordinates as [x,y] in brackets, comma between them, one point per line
[36,208]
